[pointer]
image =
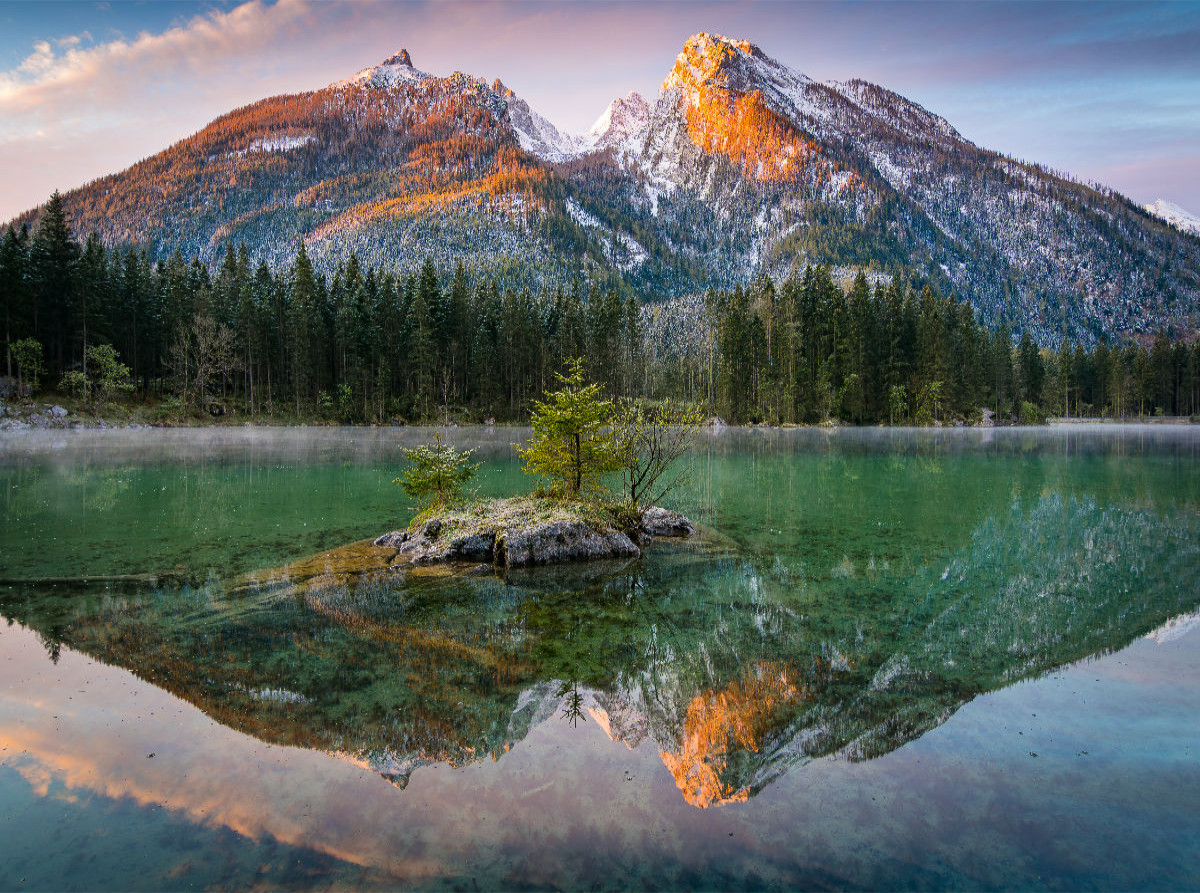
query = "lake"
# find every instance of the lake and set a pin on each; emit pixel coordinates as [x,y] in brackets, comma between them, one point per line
[936,659]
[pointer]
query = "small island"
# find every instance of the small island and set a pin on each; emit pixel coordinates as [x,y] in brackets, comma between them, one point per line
[581,441]
[529,530]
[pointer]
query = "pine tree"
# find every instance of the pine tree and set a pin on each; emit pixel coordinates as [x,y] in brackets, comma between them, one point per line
[422,350]
[437,473]
[572,443]
[304,327]
[14,288]
[53,255]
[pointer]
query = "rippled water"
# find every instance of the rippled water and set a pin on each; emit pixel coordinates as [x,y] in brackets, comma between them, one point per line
[934,659]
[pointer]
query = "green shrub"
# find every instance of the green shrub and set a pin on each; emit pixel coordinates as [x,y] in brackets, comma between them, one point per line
[437,473]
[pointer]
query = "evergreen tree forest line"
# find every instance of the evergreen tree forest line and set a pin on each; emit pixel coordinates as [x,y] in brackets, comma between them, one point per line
[366,345]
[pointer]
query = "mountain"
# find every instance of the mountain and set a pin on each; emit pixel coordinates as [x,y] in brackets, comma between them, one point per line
[1175,215]
[759,167]
[392,163]
[740,166]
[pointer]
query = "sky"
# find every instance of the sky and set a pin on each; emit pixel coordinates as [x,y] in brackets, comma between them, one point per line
[1108,92]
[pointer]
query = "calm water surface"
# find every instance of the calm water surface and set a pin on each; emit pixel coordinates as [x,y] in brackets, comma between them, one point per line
[934,659]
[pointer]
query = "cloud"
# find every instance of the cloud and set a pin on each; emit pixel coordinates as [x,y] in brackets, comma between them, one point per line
[38,63]
[76,75]
[75,109]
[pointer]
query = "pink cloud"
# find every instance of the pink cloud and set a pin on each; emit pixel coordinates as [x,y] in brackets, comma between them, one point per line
[76,76]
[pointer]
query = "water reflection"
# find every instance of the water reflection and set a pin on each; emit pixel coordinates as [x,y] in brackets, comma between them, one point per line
[736,669]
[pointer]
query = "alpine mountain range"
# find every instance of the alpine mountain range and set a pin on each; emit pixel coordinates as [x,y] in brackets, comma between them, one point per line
[739,167]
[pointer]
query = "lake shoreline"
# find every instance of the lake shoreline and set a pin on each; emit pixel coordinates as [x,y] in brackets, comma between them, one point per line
[54,417]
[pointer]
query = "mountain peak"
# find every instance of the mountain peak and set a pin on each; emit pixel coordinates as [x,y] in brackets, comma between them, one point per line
[395,70]
[1175,215]
[713,61]
[717,45]
[622,120]
[400,58]
[712,57]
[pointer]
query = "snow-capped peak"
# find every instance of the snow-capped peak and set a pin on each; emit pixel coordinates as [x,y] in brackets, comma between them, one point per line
[395,69]
[710,61]
[1175,215]
[712,58]
[623,119]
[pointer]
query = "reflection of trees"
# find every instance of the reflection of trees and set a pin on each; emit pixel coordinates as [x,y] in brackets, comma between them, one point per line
[736,670]
[572,710]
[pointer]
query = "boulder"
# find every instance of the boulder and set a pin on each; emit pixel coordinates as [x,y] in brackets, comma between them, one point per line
[664,522]
[476,547]
[426,545]
[558,541]
[393,539]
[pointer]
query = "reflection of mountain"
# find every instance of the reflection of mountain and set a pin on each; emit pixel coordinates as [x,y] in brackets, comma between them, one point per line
[716,660]
[723,729]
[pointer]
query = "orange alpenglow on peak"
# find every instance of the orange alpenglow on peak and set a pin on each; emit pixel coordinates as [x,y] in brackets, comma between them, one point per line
[704,57]
[720,84]
[709,42]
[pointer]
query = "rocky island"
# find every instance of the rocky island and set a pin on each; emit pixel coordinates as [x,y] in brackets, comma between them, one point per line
[526,531]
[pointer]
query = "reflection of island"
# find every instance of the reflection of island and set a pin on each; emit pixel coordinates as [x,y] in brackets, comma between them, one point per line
[717,661]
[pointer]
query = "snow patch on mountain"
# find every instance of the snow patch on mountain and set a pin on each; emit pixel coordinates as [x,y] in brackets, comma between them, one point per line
[896,176]
[621,249]
[281,143]
[275,144]
[1175,215]
[653,192]
[582,216]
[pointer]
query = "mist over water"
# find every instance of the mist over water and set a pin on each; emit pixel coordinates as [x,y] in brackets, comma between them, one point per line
[941,659]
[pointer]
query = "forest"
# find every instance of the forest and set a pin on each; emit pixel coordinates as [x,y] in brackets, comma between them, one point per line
[368,345]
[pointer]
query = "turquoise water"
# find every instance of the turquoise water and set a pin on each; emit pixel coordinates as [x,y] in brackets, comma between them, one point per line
[934,659]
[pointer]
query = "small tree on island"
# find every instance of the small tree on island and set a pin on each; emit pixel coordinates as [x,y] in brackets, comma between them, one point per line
[651,438]
[574,443]
[437,473]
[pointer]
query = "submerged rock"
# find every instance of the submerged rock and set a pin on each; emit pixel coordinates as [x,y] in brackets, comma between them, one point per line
[664,522]
[526,532]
